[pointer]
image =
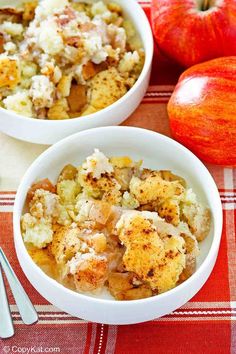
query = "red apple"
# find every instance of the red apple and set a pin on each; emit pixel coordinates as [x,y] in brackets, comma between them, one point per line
[202,110]
[193,31]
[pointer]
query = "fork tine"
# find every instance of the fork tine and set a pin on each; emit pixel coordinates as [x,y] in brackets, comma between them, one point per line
[25,307]
[6,325]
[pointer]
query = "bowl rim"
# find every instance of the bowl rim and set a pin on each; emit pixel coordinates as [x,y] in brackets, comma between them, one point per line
[149,51]
[218,225]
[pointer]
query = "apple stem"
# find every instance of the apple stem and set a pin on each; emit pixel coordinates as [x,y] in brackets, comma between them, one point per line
[206,4]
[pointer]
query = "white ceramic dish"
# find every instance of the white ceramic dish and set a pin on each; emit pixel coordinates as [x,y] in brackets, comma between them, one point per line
[49,131]
[158,152]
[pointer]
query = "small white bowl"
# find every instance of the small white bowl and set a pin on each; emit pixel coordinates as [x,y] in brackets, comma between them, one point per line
[50,131]
[158,152]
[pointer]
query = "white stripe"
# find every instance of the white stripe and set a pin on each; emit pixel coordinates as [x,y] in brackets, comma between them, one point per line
[40,308]
[175,313]
[228,178]
[189,319]
[6,208]
[100,340]
[207,305]
[214,312]
[228,198]
[7,198]
[231,251]
[229,206]
[42,315]
[158,94]
[229,194]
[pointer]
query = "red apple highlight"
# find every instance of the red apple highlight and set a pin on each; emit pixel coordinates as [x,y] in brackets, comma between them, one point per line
[202,110]
[193,31]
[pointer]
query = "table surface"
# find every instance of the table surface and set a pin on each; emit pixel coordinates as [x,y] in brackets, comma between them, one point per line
[204,325]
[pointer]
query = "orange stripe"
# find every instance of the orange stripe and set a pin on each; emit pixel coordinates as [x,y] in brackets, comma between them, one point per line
[5,192]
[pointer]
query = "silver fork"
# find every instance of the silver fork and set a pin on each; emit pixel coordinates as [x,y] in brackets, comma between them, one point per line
[25,307]
[6,324]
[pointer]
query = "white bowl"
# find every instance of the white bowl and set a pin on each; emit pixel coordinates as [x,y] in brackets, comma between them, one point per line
[50,131]
[158,152]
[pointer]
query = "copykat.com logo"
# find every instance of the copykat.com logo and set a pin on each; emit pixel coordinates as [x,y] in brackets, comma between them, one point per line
[32,349]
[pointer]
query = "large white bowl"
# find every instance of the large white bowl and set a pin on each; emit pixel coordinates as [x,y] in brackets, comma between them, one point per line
[158,152]
[50,131]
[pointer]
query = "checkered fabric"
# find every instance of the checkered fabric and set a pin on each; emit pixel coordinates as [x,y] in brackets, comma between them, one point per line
[204,325]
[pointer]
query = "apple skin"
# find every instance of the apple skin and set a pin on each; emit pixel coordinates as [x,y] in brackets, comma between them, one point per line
[202,110]
[189,35]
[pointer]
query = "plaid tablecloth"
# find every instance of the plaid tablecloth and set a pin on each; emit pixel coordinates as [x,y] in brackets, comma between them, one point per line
[204,325]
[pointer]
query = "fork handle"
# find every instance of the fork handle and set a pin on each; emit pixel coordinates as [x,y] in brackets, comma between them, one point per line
[6,325]
[25,306]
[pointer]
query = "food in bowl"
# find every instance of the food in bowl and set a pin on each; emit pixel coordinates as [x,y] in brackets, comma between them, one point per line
[112,224]
[62,59]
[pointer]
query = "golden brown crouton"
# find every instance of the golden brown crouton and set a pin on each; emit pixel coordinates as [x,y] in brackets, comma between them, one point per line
[91,272]
[105,187]
[159,262]
[64,86]
[59,110]
[106,88]
[65,244]
[44,260]
[29,10]
[121,161]
[89,110]
[9,72]
[153,187]
[170,211]
[169,176]
[98,242]
[113,7]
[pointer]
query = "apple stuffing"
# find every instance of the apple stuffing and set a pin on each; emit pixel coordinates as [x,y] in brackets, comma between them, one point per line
[112,225]
[61,59]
